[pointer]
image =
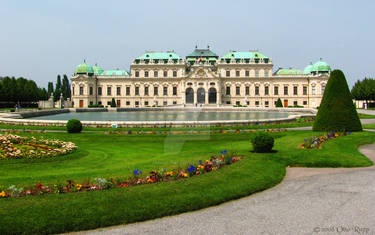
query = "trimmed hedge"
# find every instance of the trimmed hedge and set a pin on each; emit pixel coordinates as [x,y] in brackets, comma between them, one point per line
[262,142]
[74,126]
[337,111]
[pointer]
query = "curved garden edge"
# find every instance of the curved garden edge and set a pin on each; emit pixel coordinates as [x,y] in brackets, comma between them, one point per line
[83,211]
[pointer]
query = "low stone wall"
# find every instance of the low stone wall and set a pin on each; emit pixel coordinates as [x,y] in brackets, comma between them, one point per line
[18,119]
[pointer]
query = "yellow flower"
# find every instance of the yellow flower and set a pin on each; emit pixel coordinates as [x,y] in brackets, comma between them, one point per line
[79,186]
[2,194]
[149,181]
[185,175]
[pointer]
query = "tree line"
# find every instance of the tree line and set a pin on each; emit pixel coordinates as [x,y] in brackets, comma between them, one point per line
[364,90]
[25,92]
[61,88]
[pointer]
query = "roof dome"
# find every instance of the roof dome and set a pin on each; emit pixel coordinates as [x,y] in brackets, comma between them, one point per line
[84,69]
[289,71]
[97,70]
[308,69]
[321,66]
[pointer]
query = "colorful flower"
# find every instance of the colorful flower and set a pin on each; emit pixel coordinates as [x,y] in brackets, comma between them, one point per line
[2,194]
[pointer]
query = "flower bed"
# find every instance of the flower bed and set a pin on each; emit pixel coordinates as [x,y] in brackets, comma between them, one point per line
[14,146]
[215,163]
[317,141]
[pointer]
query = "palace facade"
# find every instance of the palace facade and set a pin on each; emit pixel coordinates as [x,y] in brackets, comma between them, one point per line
[202,78]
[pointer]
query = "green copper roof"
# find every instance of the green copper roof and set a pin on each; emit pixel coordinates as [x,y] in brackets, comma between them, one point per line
[289,71]
[159,56]
[308,69]
[197,53]
[97,70]
[243,55]
[116,72]
[84,68]
[321,66]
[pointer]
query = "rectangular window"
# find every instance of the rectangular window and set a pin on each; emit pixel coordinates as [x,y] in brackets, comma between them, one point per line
[237,73]
[165,74]
[256,73]
[304,102]
[165,90]
[165,103]
[276,90]
[146,90]
[256,90]
[91,90]
[128,90]
[99,103]
[285,90]
[238,103]
[174,74]
[227,102]
[91,103]
[266,103]
[295,90]
[323,88]
[118,90]
[237,90]
[256,103]
[313,90]
[109,102]
[156,90]
[227,90]
[295,103]
[305,90]
[136,74]
[100,91]
[127,102]
[266,73]
[174,102]
[155,74]
[146,103]
[146,74]
[118,103]
[247,73]
[247,90]
[228,73]
[174,90]
[136,90]
[73,91]
[136,103]
[109,90]
[81,90]
[266,90]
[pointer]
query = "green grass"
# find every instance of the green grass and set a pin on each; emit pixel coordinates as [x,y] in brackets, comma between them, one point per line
[366,116]
[101,155]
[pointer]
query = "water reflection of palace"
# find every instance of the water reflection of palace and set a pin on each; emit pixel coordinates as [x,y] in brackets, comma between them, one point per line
[202,78]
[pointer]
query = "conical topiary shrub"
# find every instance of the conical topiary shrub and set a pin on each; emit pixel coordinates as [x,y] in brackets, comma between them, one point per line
[337,111]
[279,104]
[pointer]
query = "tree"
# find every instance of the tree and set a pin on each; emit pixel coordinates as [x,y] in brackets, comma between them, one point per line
[50,88]
[364,90]
[337,111]
[58,91]
[279,104]
[66,87]
[113,103]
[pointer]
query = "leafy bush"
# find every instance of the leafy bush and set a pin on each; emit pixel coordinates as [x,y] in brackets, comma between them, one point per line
[96,106]
[337,111]
[74,126]
[279,104]
[262,142]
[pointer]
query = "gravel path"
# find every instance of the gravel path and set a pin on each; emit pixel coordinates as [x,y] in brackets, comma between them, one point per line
[308,201]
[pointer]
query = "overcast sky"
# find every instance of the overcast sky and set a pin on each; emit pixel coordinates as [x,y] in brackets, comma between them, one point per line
[40,39]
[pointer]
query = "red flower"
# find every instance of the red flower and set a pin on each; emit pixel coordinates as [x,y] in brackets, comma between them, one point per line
[38,186]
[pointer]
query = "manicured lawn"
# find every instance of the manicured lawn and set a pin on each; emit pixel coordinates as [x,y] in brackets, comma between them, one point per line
[101,155]
[369,126]
[366,116]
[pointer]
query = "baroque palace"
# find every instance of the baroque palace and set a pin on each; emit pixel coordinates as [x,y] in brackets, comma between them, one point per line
[202,78]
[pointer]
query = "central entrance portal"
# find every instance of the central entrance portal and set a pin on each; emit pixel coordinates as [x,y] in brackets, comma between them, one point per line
[212,96]
[189,93]
[201,96]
